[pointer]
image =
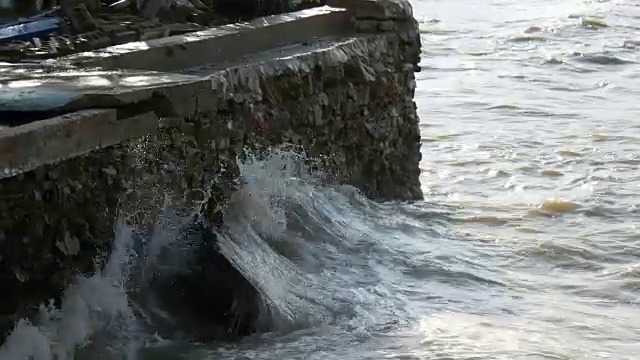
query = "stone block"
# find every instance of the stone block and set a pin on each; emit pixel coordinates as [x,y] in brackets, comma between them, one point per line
[49,141]
[34,88]
[376,9]
[224,43]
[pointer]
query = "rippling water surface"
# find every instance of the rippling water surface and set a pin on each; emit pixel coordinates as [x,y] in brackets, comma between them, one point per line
[527,246]
[530,138]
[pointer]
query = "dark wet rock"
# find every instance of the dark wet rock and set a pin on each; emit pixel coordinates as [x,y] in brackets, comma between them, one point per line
[79,16]
[532,29]
[599,59]
[208,299]
[249,9]
[594,24]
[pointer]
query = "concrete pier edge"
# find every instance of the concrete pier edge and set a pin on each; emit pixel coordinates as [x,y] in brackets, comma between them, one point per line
[134,123]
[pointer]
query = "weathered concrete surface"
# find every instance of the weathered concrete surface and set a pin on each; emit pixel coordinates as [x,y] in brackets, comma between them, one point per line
[347,101]
[221,43]
[27,147]
[61,88]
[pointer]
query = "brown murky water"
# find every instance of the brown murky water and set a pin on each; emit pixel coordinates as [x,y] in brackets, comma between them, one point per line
[530,130]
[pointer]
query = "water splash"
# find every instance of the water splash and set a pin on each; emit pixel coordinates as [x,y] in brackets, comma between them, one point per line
[279,202]
[97,317]
[93,310]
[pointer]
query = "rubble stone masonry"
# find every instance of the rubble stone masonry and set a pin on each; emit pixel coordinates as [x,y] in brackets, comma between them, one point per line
[122,141]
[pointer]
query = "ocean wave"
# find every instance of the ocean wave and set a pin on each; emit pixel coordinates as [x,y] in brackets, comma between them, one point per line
[288,235]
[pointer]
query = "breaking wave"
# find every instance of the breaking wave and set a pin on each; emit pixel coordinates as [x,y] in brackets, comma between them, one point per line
[282,230]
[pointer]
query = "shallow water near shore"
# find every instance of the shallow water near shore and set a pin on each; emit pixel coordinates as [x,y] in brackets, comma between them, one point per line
[526,246]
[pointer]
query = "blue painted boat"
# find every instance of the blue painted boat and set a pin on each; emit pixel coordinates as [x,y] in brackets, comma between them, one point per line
[26,28]
[29,28]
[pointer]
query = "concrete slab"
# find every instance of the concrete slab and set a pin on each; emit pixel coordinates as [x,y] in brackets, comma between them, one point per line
[29,146]
[299,58]
[243,73]
[218,44]
[33,87]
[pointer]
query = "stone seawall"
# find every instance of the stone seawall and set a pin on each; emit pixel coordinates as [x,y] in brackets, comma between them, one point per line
[117,142]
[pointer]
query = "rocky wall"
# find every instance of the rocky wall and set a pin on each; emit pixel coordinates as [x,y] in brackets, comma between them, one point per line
[347,102]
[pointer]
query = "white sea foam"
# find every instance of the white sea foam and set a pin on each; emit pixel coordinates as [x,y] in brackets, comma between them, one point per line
[96,317]
[92,308]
